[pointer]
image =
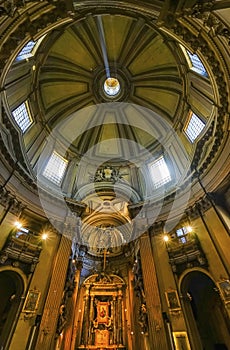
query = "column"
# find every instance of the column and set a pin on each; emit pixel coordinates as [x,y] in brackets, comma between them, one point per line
[113,314]
[119,312]
[70,335]
[156,325]
[130,314]
[85,324]
[91,313]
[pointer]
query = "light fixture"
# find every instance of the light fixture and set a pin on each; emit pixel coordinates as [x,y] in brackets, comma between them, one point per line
[18,224]
[44,236]
[166,238]
[189,228]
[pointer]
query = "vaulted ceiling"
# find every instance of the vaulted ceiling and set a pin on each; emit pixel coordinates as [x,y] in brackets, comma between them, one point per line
[144,46]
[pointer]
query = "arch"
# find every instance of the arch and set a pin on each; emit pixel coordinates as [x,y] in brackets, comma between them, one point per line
[18,272]
[12,290]
[202,307]
[103,279]
[191,270]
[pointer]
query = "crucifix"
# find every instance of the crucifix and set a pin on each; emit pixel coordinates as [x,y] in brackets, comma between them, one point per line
[104,258]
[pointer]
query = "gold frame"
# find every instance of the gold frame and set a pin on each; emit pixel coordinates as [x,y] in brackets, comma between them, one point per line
[172,299]
[31,302]
[224,288]
[181,336]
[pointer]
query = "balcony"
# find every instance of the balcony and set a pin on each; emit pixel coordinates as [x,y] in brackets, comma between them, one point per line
[21,251]
[185,254]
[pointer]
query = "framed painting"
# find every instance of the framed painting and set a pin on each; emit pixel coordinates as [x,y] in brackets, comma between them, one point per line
[172,300]
[181,341]
[224,287]
[32,300]
[102,312]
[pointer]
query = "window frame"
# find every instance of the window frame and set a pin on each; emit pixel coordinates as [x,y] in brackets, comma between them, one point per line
[194,67]
[47,170]
[31,53]
[158,184]
[182,238]
[186,126]
[28,117]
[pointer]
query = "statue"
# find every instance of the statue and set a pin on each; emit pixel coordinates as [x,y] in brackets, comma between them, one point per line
[143,319]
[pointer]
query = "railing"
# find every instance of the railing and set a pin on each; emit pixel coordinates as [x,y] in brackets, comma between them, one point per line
[187,254]
[25,249]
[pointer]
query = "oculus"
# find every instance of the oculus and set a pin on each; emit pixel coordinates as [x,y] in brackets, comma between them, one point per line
[112,87]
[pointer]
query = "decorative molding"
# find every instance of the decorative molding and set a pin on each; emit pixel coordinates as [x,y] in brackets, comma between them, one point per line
[7,199]
[217,27]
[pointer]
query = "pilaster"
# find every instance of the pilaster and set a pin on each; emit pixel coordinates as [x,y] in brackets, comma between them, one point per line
[51,310]
[153,302]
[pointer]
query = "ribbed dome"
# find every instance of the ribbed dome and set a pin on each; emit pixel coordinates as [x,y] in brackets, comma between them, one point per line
[112,139]
[72,77]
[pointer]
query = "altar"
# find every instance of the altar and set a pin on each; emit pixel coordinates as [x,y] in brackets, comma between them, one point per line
[102,322]
[109,347]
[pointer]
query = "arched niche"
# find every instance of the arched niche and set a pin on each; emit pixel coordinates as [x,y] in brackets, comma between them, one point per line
[205,311]
[12,288]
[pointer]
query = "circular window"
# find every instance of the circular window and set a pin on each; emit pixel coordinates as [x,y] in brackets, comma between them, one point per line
[111,87]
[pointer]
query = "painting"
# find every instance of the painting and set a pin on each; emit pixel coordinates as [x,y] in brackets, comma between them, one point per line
[102,312]
[172,300]
[181,341]
[224,287]
[31,302]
